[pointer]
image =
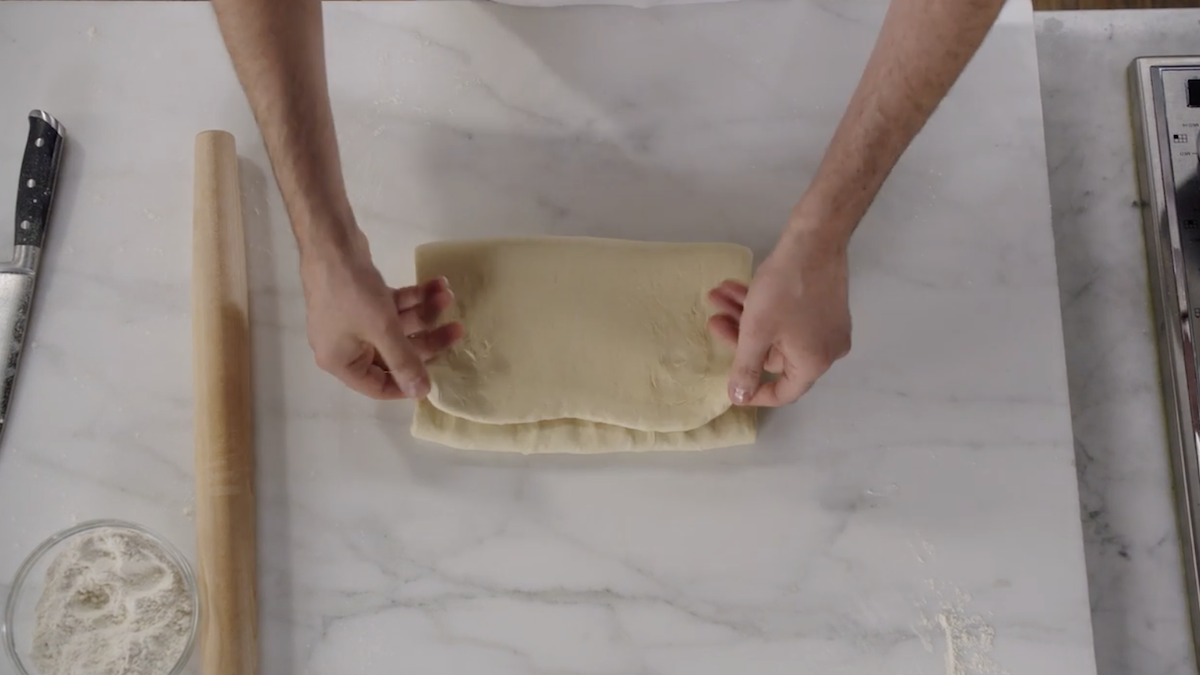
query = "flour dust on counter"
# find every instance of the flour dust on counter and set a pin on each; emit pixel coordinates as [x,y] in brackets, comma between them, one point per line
[965,638]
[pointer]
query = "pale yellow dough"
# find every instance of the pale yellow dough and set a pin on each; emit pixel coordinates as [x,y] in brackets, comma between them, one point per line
[582,345]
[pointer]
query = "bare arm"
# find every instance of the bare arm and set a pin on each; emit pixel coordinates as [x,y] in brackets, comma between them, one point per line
[794,319]
[278,50]
[375,339]
[923,47]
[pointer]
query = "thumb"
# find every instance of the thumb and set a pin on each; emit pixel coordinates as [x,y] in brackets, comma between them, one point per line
[748,360]
[403,362]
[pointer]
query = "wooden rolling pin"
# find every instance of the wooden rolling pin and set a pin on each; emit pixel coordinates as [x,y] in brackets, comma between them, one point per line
[225,504]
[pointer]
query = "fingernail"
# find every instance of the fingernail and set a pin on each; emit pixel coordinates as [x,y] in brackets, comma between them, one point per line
[415,389]
[740,395]
[445,283]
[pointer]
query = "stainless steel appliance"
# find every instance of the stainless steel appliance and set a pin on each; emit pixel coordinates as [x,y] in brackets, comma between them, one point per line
[1166,115]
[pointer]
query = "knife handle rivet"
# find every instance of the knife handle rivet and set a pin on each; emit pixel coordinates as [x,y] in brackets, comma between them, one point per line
[30,183]
[40,142]
[24,224]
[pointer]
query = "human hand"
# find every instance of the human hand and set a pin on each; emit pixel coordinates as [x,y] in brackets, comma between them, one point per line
[793,320]
[373,338]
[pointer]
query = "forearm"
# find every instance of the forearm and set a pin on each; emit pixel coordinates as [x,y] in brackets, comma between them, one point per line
[277,47]
[921,50]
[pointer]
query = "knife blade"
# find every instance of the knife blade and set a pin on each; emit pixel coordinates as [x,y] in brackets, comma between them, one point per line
[18,277]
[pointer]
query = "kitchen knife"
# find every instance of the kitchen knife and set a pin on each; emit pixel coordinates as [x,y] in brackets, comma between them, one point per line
[35,194]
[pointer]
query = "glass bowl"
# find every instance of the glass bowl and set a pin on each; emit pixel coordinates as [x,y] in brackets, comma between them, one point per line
[19,612]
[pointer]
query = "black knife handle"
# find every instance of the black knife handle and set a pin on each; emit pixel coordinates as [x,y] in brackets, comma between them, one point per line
[39,174]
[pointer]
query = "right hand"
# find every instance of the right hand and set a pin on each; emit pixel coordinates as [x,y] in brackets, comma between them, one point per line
[792,321]
[373,338]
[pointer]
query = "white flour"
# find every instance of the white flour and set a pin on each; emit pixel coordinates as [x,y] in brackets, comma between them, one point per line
[114,604]
[968,643]
[966,638]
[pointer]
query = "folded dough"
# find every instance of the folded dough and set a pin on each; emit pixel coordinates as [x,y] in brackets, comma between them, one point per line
[582,345]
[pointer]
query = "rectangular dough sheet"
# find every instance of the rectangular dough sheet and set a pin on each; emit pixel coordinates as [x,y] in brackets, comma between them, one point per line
[582,345]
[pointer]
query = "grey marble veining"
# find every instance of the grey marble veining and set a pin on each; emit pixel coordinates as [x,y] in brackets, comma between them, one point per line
[1135,574]
[924,490]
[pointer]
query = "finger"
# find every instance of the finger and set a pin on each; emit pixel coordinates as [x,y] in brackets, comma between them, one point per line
[404,365]
[432,343]
[413,296]
[725,303]
[734,289]
[748,360]
[425,316]
[365,376]
[787,389]
[775,362]
[435,303]
[411,322]
[725,329]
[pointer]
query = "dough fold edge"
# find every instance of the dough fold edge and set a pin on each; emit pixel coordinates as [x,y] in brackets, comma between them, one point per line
[735,427]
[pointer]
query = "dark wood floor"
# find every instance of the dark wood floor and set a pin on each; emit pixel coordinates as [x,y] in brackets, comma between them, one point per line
[1112,4]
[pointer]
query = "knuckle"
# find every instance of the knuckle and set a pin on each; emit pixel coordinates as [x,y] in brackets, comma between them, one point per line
[404,360]
[749,371]
[842,346]
[408,368]
[383,325]
[325,359]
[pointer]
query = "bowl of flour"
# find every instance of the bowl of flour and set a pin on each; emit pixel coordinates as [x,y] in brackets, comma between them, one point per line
[102,598]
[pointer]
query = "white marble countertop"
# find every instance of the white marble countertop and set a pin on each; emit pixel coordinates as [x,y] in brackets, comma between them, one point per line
[1139,611]
[928,479]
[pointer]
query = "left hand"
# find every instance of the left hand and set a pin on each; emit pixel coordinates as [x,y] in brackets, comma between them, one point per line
[793,320]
